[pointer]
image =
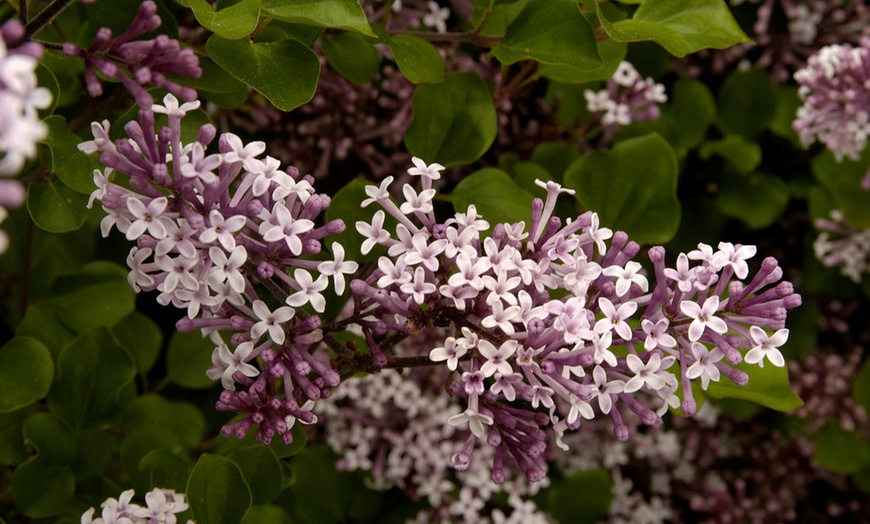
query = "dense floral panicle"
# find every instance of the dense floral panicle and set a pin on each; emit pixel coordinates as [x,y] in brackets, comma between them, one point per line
[391,424]
[20,98]
[20,125]
[138,63]
[210,227]
[528,365]
[627,98]
[841,244]
[835,89]
[161,505]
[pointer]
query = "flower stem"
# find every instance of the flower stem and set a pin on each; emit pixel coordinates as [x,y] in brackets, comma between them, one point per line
[44,17]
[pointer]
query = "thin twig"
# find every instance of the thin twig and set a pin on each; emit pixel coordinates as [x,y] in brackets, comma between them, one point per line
[45,17]
[22,11]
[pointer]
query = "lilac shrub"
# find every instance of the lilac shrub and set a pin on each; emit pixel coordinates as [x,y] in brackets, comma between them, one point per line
[549,326]
[209,228]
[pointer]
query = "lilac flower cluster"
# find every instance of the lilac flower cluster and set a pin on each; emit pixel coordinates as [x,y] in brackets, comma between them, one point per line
[147,61]
[842,244]
[548,326]
[20,98]
[627,98]
[835,89]
[161,505]
[20,125]
[810,24]
[392,425]
[210,227]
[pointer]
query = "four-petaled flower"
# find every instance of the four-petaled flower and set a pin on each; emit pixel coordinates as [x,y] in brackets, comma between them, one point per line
[766,346]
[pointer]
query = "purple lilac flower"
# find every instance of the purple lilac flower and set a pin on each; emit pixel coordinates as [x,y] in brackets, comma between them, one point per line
[835,88]
[508,338]
[138,63]
[161,505]
[841,244]
[211,228]
[627,98]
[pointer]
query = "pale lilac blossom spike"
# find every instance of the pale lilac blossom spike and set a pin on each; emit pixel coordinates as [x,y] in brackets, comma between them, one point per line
[835,90]
[207,241]
[626,98]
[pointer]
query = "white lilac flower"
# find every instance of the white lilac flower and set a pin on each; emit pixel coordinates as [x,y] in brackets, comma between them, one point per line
[766,346]
[626,98]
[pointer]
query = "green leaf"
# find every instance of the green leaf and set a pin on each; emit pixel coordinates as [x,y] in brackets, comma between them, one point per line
[581,498]
[97,295]
[746,103]
[91,372]
[843,182]
[41,322]
[217,491]
[680,26]
[335,14]
[233,22]
[141,337]
[153,410]
[55,207]
[353,56]
[555,157]
[141,441]
[26,372]
[693,109]
[95,453]
[767,386]
[861,387]
[551,32]
[841,451]
[45,78]
[497,197]
[162,467]
[188,358]
[418,60]
[262,471]
[285,72]
[757,199]
[43,490]
[611,52]
[51,438]
[453,122]
[787,104]
[633,188]
[12,448]
[73,168]
[741,153]
[271,514]
[44,485]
